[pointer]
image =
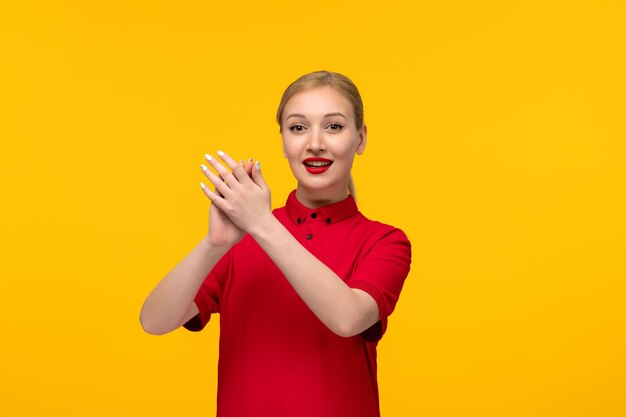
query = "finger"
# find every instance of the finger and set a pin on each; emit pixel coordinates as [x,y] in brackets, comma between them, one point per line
[238,171]
[249,165]
[215,199]
[218,183]
[242,175]
[244,164]
[257,176]
[221,170]
[224,173]
[230,162]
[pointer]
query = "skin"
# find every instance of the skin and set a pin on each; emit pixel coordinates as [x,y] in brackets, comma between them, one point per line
[320,122]
[316,123]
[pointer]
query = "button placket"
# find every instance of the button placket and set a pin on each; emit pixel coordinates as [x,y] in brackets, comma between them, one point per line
[313,229]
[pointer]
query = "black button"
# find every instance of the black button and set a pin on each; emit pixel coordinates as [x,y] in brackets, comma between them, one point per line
[299,220]
[313,215]
[309,236]
[328,221]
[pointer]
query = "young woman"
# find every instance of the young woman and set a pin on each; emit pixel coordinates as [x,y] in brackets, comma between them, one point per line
[303,291]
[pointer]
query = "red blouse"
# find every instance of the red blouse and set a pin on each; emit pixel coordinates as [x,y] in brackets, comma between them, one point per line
[276,358]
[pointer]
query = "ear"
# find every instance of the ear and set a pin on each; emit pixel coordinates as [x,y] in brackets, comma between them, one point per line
[362,135]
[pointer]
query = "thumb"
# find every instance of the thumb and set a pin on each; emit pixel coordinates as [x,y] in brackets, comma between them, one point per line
[257,177]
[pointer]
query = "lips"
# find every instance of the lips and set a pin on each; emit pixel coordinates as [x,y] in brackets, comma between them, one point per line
[317,165]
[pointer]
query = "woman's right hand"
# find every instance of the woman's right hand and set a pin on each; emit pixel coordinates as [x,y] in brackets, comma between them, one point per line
[222,231]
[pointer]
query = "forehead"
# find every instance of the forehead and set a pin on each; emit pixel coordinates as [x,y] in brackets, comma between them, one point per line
[318,101]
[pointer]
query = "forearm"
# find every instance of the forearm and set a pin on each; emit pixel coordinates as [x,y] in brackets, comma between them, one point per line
[170,300]
[246,201]
[323,291]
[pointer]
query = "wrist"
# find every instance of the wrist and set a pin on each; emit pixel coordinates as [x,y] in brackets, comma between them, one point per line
[206,245]
[264,227]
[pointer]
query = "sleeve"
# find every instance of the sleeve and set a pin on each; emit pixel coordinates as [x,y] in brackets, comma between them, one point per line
[381,273]
[208,297]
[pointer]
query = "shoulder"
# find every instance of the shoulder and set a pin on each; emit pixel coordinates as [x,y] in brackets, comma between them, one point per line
[377,240]
[377,230]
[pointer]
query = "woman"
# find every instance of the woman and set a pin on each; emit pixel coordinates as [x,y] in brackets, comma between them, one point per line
[303,291]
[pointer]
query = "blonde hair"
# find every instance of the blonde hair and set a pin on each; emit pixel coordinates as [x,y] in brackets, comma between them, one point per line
[339,82]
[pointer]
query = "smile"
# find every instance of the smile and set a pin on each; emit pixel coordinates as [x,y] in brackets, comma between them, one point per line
[317,165]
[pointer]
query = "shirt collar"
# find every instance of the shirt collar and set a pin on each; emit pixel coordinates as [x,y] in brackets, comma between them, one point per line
[331,213]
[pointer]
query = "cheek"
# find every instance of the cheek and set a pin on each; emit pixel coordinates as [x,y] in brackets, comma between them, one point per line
[293,148]
[346,148]
[287,148]
[292,154]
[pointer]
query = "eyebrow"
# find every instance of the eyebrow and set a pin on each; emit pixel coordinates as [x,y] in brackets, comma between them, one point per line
[326,115]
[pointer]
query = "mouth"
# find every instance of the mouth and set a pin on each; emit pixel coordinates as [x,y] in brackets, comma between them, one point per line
[317,165]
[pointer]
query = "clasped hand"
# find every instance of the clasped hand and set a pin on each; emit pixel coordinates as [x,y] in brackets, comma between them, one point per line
[241,194]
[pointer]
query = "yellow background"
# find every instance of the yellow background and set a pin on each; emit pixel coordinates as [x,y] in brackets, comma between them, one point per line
[496,141]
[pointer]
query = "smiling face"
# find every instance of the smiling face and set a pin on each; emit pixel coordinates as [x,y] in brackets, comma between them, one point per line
[320,140]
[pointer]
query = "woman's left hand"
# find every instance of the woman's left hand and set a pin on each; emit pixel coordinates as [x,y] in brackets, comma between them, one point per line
[245,199]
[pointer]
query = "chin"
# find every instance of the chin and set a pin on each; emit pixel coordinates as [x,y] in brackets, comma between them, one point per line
[322,183]
[319,187]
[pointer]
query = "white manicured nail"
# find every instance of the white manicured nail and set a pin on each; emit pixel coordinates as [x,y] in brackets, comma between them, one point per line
[258,165]
[204,168]
[220,153]
[202,185]
[208,157]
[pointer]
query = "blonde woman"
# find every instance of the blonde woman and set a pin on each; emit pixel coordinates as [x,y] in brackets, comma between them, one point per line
[303,291]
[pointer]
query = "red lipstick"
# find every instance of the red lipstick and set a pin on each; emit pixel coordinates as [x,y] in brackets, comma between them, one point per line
[317,165]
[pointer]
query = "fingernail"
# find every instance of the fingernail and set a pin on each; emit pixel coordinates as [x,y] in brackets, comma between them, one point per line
[251,159]
[204,168]
[258,165]
[208,157]
[220,153]
[242,161]
[202,185]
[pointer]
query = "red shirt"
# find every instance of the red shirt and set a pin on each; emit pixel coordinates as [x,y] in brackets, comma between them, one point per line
[276,358]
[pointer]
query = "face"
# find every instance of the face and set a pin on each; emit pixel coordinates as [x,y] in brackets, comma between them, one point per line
[320,140]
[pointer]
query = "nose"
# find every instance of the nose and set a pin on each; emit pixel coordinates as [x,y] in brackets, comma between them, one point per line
[315,141]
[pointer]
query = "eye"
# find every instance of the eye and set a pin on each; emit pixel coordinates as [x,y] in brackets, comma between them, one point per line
[296,128]
[335,126]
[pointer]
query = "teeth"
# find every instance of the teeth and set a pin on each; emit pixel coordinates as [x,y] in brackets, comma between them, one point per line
[317,163]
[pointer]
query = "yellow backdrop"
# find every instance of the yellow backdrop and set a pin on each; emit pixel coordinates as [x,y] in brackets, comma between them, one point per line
[496,141]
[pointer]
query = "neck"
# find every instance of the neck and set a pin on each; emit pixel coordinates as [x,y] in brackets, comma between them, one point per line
[317,198]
